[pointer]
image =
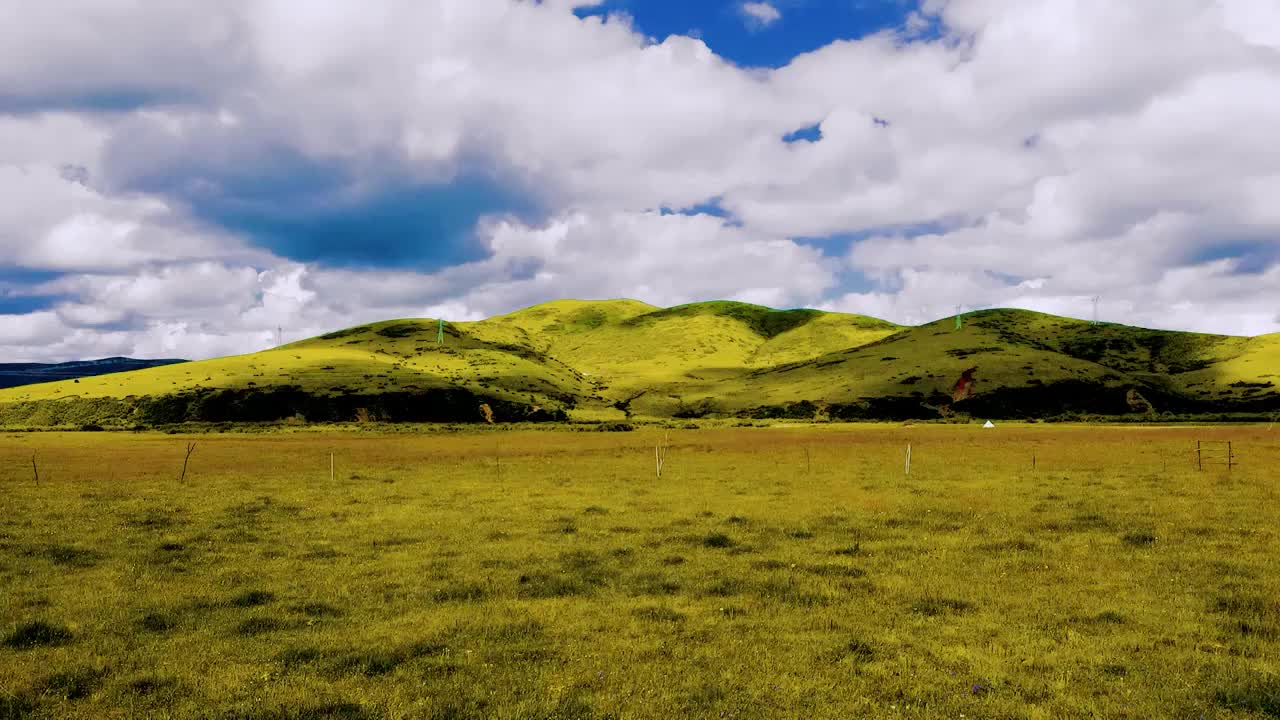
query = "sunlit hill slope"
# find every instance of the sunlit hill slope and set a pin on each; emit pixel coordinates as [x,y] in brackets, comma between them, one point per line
[616,359]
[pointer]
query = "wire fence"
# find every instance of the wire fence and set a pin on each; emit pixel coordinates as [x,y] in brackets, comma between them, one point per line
[1215,452]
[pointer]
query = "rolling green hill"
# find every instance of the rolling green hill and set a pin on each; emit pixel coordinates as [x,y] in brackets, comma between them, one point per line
[1025,364]
[631,347]
[611,359]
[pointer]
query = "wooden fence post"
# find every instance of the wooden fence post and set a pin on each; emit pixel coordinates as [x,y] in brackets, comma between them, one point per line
[190,448]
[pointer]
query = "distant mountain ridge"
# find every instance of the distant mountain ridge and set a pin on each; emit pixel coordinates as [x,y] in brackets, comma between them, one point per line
[19,374]
[617,359]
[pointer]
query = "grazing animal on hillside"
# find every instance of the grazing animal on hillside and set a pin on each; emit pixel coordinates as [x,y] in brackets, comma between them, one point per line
[964,386]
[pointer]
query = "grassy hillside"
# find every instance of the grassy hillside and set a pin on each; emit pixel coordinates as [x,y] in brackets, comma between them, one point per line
[605,359]
[391,370]
[1024,363]
[629,346]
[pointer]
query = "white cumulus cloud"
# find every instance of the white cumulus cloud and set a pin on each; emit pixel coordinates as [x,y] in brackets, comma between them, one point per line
[1033,154]
[760,14]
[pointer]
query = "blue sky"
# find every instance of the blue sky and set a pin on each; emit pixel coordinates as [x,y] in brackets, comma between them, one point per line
[803,25]
[337,163]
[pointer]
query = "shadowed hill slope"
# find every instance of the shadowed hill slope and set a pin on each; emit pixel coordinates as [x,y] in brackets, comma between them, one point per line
[18,374]
[602,359]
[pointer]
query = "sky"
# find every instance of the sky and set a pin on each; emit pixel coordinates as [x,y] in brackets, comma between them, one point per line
[190,179]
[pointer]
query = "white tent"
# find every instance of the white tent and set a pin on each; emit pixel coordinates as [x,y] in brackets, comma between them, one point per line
[989,424]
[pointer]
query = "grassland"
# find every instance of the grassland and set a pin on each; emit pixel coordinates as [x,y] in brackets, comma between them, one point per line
[1023,572]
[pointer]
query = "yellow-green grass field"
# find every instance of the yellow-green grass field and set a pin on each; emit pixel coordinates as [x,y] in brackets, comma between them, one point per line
[1024,572]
